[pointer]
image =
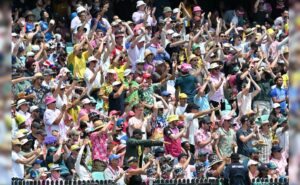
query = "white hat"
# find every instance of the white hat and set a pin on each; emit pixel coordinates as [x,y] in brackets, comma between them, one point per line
[160,105]
[33,108]
[170,32]
[14,34]
[276,105]
[255,59]
[80,9]
[175,35]
[127,72]
[92,58]
[213,65]
[30,54]
[176,10]
[57,36]
[21,102]
[140,3]
[142,39]
[64,70]
[240,28]
[280,61]
[252,162]
[226,45]
[158,62]
[85,101]
[139,61]
[35,48]
[112,71]
[116,83]
[114,23]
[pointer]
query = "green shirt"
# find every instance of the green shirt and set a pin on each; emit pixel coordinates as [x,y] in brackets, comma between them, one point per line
[226,139]
[133,98]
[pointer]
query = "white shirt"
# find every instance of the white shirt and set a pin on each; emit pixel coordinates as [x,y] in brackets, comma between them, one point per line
[60,101]
[87,77]
[194,126]
[111,174]
[180,110]
[132,121]
[49,118]
[139,15]
[25,114]
[135,54]
[283,138]
[17,168]
[81,171]
[244,102]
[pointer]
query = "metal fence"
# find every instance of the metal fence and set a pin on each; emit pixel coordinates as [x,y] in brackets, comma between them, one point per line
[203,181]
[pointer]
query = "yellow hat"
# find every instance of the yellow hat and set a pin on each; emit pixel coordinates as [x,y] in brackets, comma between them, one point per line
[20,119]
[183,96]
[75,147]
[285,50]
[172,118]
[270,31]
[191,57]
[16,142]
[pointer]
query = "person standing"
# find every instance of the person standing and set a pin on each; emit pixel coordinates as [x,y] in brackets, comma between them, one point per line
[135,146]
[235,173]
[244,137]
[279,94]
[226,141]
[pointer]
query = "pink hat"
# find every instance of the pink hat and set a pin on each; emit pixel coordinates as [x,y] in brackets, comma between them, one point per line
[49,99]
[131,113]
[197,8]
[185,67]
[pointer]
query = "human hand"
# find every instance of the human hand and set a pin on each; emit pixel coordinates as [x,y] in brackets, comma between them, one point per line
[209,15]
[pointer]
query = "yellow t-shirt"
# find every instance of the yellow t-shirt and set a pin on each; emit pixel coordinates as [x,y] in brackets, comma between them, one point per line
[107,88]
[78,65]
[120,72]
[285,79]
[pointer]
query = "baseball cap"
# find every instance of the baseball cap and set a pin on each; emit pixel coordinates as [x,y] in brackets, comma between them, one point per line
[276,148]
[113,157]
[116,83]
[282,120]
[85,101]
[183,96]
[272,166]
[138,131]
[170,32]
[276,105]
[127,72]
[33,108]
[132,159]
[80,9]
[165,93]
[253,150]
[252,162]
[37,161]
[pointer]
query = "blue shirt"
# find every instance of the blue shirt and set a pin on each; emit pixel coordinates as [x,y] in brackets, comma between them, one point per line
[280,93]
[202,102]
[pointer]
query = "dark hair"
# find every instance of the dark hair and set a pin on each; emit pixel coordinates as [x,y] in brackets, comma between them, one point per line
[276,78]
[190,107]
[244,66]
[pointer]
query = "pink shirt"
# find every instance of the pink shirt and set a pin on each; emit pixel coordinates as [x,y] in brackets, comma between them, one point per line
[99,146]
[219,94]
[281,165]
[201,135]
